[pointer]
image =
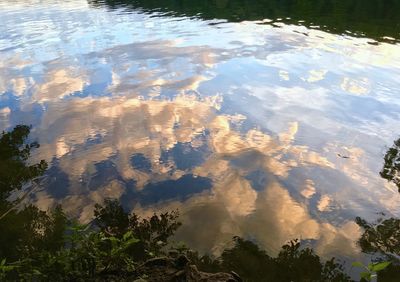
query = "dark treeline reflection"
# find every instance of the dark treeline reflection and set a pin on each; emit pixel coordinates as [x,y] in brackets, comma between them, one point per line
[371,18]
[391,167]
[120,246]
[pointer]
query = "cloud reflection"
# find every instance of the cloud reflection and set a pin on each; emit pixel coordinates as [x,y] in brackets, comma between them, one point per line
[248,129]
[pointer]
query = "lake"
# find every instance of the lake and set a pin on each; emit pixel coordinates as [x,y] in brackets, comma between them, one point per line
[263,119]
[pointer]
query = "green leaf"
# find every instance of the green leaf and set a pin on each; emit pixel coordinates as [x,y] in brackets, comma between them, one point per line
[357,264]
[366,275]
[131,241]
[370,265]
[113,239]
[127,235]
[37,272]
[6,268]
[380,266]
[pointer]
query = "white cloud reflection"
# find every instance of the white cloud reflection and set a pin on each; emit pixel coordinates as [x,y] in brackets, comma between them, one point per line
[264,111]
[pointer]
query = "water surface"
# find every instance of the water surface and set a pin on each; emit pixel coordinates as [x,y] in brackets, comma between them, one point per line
[263,119]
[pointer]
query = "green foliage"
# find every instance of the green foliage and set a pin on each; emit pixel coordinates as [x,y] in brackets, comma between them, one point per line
[390,274]
[87,255]
[372,269]
[72,251]
[375,267]
[4,269]
[152,232]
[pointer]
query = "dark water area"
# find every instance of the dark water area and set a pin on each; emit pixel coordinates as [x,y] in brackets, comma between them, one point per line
[262,119]
[378,20]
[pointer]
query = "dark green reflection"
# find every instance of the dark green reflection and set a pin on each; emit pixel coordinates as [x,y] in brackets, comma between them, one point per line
[14,152]
[293,263]
[24,230]
[391,166]
[371,18]
[382,238]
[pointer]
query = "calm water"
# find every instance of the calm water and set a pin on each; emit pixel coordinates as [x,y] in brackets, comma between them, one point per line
[264,119]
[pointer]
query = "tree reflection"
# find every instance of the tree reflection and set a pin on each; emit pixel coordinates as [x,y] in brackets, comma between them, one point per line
[293,263]
[14,152]
[373,19]
[153,233]
[391,167]
[382,239]
[24,230]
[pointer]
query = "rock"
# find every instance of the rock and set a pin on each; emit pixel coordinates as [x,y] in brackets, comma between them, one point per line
[167,269]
